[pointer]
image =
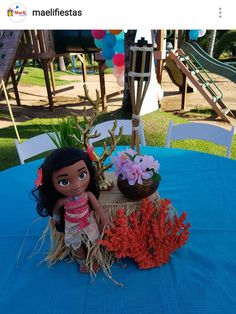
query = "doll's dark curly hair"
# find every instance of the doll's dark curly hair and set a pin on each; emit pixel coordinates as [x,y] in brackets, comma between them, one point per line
[46,195]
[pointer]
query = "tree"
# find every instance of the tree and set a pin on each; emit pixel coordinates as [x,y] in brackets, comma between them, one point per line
[212,40]
[129,41]
[226,40]
[61,64]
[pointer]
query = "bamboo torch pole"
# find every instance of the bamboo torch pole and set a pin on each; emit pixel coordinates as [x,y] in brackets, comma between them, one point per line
[10,111]
[132,95]
[139,79]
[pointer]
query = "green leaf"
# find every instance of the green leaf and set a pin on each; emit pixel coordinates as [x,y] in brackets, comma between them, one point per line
[156,176]
[62,133]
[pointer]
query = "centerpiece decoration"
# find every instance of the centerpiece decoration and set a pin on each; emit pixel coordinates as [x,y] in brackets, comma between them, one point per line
[137,176]
[147,231]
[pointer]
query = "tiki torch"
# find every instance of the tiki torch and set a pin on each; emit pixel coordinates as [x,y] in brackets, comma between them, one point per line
[139,79]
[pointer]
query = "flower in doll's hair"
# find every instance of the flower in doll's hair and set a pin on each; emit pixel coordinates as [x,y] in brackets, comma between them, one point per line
[90,151]
[39,180]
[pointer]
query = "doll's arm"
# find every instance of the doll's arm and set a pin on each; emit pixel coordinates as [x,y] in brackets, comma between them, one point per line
[99,210]
[57,210]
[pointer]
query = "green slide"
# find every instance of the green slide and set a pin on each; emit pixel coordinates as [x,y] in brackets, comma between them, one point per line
[207,62]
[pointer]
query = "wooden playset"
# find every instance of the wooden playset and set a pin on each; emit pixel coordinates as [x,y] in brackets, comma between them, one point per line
[42,45]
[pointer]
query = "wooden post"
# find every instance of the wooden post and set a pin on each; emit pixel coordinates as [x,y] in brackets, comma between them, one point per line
[41,41]
[159,54]
[101,66]
[176,40]
[46,63]
[180,32]
[52,77]
[81,57]
[19,73]
[14,83]
[184,92]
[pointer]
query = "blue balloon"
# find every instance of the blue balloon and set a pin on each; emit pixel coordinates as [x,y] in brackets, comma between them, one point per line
[193,34]
[121,35]
[99,43]
[108,53]
[120,46]
[109,63]
[109,40]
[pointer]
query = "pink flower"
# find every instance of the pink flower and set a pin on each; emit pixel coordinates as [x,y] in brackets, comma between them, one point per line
[156,166]
[39,180]
[147,163]
[134,173]
[120,161]
[135,168]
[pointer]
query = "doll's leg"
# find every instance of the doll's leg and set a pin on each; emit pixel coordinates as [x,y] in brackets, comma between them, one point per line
[93,234]
[81,258]
[94,265]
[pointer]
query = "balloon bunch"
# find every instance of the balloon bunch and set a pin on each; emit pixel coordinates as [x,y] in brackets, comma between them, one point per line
[111,42]
[194,34]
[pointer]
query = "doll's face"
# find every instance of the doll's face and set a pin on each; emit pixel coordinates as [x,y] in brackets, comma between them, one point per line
[72,180]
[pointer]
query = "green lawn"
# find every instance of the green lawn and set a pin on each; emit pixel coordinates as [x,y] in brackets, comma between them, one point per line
[34,76]
[155,128]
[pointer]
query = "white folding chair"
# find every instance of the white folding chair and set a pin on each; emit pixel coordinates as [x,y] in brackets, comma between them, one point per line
[201,131]
[34,146]
[104,127]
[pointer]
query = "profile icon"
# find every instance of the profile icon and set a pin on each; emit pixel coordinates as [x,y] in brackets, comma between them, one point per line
[16,12]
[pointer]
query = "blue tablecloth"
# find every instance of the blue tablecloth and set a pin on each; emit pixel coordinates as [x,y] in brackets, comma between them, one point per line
[200,278]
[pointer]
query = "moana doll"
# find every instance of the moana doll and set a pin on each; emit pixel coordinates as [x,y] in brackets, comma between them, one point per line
[68,191]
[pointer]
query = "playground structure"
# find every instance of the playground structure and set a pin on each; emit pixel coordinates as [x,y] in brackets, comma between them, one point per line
[45,45]
[176,75]
[189,62]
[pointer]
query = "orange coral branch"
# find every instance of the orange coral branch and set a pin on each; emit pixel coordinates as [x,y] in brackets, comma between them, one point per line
[149,236]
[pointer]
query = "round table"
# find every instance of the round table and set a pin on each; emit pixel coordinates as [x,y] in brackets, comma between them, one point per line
[200,277]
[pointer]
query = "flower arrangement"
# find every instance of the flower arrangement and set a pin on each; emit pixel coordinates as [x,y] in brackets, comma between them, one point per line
[135,168]
[137,176]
